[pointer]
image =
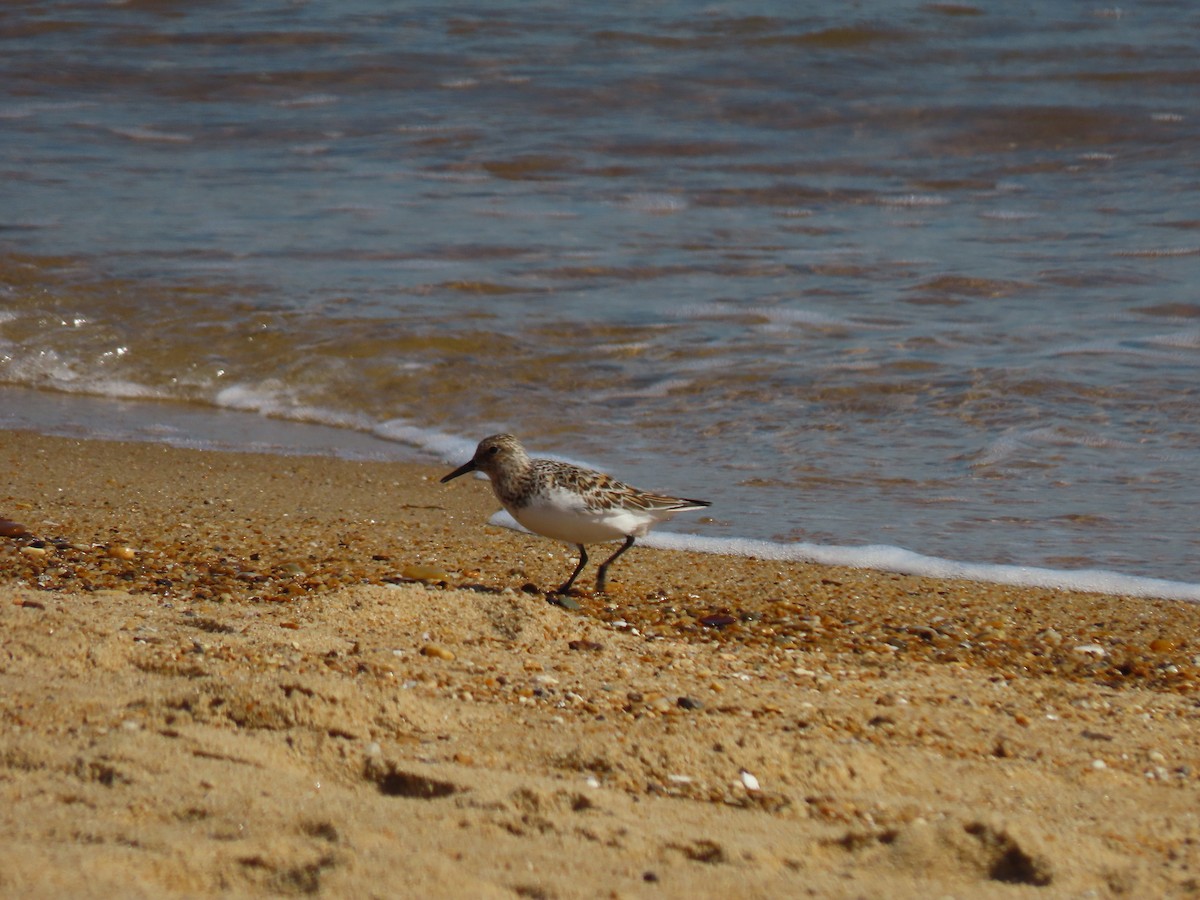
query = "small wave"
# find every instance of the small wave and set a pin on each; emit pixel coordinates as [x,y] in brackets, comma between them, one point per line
[446,447]
[1013,444]
[48,369]
[1008,215]
[630,348]
[309,100]
[151,134]
[660,204]
[1165,252]
[661,388]
[1189,340]
[273,399]
[1170,346]
[885,558]
[116,388]
[27,110]
[913,200]
[775,315]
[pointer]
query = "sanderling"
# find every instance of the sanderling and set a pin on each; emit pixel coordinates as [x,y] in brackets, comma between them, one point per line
[568,503]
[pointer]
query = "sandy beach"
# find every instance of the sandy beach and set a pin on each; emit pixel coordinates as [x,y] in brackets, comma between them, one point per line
[243,674]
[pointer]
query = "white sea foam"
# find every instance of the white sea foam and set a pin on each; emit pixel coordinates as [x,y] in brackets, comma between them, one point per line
[117,388]
[913,200]
[449,448]
[273,398]
[1188,339]
[151,134]
[26,110]
[658,203]
[896,559]
[1008,215]
[49,369]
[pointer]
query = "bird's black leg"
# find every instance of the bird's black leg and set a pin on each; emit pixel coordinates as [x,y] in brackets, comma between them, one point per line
[579,568]
[602,573]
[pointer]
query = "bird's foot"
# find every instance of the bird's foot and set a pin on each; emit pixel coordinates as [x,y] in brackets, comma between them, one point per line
[563,599]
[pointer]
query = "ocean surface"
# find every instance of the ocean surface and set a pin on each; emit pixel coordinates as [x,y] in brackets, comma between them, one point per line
[892,282]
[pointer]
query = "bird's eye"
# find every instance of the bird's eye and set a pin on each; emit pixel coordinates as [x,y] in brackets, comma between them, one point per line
[492,451]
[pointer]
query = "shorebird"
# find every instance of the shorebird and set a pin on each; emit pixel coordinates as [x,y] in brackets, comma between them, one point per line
[569,503]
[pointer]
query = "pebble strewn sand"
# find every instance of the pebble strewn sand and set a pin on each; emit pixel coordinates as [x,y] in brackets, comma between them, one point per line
[227,673]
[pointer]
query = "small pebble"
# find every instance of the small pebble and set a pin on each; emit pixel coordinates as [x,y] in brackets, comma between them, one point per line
[418,572]
[585,645]
[11,529]
[1094,650]
[689,703]
[116,551]
[437,651]
[750,782]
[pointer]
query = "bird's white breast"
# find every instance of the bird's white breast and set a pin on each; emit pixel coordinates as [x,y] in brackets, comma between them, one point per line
[565,516]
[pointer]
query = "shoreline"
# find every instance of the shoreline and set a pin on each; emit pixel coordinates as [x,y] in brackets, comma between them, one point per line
[229,673]
[209,429]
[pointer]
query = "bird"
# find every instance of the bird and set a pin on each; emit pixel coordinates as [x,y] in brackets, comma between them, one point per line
[569,503]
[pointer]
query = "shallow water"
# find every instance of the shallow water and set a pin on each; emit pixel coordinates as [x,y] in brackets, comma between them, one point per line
[916,277]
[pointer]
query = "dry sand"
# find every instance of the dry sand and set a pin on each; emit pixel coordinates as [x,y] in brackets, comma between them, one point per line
[240,675]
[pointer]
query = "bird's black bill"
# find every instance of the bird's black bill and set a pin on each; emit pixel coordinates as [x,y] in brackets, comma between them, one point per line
[461,470]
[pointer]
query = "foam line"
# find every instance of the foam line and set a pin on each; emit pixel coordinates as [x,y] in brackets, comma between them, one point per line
[885,558]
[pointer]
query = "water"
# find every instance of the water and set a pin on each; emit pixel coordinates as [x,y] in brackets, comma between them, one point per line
[920,276]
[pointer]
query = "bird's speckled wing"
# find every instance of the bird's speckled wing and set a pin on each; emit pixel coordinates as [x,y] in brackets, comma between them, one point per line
[603,492]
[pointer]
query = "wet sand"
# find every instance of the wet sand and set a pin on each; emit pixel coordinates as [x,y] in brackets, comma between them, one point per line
[241,674]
